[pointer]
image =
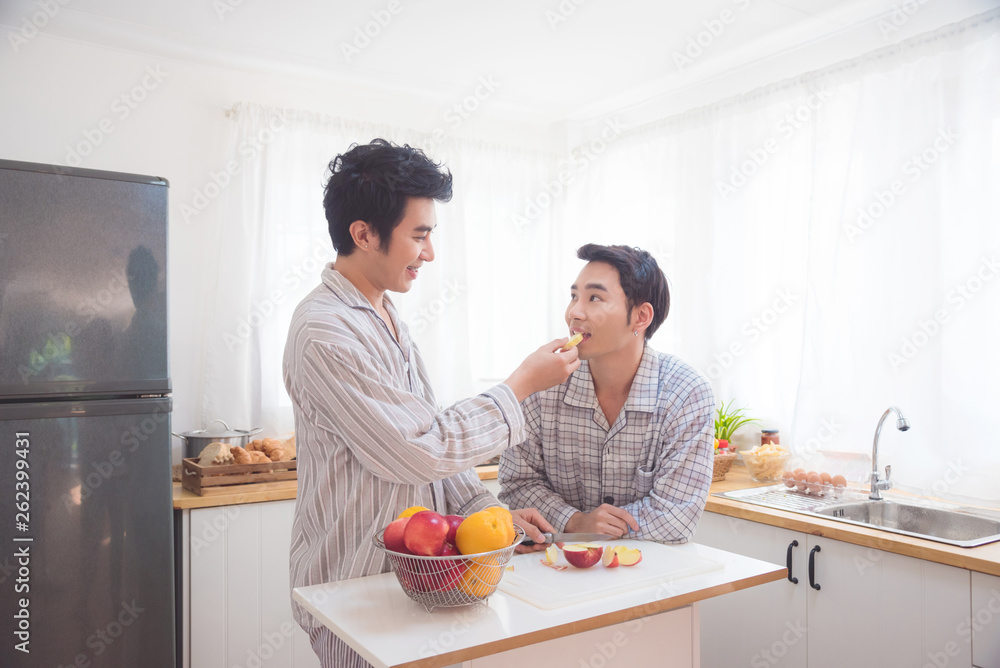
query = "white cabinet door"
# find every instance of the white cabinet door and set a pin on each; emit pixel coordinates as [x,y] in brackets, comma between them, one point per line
[239,601]
[985,621]
[843,613]
[897,611]
[762,626]
[872,608]
[944,611]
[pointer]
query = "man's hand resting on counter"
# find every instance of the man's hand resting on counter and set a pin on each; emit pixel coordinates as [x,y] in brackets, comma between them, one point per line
[534,525]
[605,518]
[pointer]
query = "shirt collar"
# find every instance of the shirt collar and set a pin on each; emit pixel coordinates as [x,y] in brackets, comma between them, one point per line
[347,292]
[641,396]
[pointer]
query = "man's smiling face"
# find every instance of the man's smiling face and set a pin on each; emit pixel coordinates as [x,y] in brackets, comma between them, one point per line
[410,246]
[599,310]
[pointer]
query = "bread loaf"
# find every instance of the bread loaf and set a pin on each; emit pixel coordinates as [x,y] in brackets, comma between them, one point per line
[214,454]
[258,457]
[240,456]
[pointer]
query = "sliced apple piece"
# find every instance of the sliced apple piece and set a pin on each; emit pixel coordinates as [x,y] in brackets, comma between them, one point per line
[610,558]
[628,556]
[583,555]
[552,554]
[574,340]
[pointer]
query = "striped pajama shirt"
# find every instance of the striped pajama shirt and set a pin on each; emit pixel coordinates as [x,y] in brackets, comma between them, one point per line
[372,442]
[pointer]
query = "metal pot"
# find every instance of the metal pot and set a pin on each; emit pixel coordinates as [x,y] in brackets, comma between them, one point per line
[195,441]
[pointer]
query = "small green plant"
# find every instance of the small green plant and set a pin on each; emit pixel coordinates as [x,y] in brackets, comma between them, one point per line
[728,420]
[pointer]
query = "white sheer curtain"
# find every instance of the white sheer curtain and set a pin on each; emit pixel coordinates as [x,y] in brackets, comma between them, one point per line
[833,247]
[472,314]
[790,300]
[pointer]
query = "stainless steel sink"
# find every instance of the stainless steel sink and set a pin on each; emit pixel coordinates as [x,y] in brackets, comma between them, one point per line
[948,526]
[955,526]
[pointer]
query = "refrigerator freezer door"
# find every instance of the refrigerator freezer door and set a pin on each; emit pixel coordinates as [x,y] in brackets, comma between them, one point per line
[83,307]
[86,534]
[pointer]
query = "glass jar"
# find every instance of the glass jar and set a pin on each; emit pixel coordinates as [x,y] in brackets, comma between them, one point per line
[769,436]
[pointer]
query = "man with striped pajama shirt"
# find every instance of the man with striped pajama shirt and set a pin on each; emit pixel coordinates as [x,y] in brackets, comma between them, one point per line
[370,438]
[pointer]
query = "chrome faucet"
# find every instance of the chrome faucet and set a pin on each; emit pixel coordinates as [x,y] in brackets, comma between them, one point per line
[882,484]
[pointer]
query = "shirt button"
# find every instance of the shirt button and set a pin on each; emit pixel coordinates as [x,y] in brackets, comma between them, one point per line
[609,499]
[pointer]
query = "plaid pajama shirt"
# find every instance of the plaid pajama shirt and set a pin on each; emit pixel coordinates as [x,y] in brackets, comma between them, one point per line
[655,460]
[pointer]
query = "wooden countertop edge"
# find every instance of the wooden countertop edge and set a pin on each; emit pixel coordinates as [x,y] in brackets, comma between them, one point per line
[265,491]
[591,623]
[252,493]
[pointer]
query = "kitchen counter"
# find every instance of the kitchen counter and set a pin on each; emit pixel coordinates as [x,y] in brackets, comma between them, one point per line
[983,559]
[362,610]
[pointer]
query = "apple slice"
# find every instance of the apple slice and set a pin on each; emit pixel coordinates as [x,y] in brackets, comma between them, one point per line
[583,555]
[552,554]
[610,558]
[628,556]
[574,340]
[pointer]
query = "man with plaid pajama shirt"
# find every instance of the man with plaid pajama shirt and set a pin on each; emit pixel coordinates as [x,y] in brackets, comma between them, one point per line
[624,446]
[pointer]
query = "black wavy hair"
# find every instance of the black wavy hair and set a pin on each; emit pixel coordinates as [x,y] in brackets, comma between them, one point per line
[372,182]
[640,276]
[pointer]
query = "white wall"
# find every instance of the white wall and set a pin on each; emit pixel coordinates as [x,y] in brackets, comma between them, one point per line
[57,92]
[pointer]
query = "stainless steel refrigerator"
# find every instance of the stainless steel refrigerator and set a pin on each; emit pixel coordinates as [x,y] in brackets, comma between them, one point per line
[86,526]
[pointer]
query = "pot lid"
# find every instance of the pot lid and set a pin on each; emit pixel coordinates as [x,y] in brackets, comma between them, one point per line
[217,432]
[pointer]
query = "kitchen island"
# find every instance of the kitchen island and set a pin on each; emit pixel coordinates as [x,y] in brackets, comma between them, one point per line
[652,625]
[235,605]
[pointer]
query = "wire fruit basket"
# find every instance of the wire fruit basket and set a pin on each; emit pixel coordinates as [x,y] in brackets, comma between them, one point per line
[447,582]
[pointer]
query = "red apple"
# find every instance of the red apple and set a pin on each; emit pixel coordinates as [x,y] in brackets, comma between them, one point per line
[583,555]
[393,535]
[453,522]
[436,575]
[425,533]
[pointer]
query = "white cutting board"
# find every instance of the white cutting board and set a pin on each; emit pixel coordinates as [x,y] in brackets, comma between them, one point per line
[548,589]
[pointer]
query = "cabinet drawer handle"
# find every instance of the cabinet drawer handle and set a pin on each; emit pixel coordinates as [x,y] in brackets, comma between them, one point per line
[812,568]
[788,562]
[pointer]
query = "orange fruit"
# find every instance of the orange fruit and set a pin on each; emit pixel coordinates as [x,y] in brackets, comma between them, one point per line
[484,531]
[481,576]
[507,519]
[411,511]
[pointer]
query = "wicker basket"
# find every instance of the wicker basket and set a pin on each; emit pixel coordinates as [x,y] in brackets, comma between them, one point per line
[446,582]
[723,463]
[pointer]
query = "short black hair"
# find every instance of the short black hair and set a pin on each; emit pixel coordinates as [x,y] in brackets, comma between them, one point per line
[640,276]
[372,182]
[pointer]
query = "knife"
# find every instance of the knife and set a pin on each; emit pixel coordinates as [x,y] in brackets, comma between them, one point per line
[570,538]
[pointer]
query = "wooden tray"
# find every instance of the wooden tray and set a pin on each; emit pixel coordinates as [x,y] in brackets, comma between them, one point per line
[208,480]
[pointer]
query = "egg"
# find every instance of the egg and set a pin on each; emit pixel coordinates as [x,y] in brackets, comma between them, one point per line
[839,481]
[827,483]
[813,483]
[797,471]
[788,478]
[800,479]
